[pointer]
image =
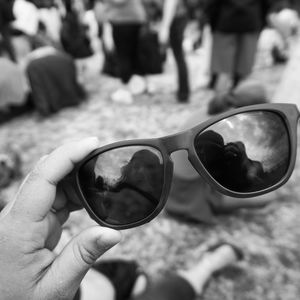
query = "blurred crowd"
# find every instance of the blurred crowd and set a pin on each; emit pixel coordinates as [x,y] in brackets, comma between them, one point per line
[44,45]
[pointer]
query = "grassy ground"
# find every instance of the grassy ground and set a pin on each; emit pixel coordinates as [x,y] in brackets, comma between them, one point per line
[270,237]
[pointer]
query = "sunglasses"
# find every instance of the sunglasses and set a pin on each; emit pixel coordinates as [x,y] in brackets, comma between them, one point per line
[245,152]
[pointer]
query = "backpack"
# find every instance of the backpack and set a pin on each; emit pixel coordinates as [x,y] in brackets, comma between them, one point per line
[74,38]
[150,55]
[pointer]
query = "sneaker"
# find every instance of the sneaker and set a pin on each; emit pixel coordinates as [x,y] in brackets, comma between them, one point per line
[137,85]
[122,96]
[152,88]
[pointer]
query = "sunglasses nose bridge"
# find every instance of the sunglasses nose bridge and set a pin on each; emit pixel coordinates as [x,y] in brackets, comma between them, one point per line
[175,142]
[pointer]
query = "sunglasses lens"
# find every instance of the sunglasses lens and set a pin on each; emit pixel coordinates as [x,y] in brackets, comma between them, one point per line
[123,185]
[247,152]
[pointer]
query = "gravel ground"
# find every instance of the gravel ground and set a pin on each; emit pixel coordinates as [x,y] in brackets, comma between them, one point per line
[270,237]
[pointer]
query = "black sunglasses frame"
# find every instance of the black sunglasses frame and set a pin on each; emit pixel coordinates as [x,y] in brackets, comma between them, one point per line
[185,140]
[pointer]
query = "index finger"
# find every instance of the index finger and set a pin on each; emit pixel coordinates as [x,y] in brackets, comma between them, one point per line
[37,194]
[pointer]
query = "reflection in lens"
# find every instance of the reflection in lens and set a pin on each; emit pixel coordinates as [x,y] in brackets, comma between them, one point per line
[123,185]
[246,152]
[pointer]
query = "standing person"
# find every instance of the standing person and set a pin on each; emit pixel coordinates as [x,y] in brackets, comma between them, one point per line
[50,16]
[173,24]
[236,26]
[6,17]
[74,36]
[123,21]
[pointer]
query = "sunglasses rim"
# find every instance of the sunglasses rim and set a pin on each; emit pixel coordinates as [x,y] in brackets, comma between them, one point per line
[289,114]
[184,140]
[168,171]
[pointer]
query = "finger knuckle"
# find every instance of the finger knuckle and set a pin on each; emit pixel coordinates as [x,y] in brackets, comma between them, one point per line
[38,173]
[83,255]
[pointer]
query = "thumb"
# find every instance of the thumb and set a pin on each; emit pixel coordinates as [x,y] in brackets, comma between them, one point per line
[69,268]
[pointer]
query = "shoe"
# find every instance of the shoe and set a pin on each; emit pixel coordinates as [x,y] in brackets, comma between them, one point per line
[152,88]
[137,85]
[122,96]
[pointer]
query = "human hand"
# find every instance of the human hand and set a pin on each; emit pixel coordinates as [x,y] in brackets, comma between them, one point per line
[31,226]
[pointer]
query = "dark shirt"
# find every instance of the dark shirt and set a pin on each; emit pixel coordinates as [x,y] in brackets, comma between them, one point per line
[74,37]
[241,16]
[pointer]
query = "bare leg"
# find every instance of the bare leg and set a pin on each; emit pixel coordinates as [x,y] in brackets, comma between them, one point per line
[211,262]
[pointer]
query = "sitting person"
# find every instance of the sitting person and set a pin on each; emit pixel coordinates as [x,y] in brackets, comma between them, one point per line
[53,81]
[191,198]
[13,88]
[51,73]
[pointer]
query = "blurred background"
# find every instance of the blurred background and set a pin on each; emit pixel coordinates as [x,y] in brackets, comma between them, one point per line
[139,69]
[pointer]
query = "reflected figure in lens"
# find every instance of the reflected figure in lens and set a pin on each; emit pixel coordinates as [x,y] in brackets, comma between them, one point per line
[228,163]
[143,174]
[138,191]
[131,197]
[241,173]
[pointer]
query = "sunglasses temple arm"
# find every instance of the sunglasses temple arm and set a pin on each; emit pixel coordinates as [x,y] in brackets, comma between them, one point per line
[68,187]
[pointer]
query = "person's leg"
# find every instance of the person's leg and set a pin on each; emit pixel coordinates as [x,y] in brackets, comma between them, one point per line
[7,44]
[222,59]
[186,285]
[214,261]
[176,39]
[245,56]
[126,38]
